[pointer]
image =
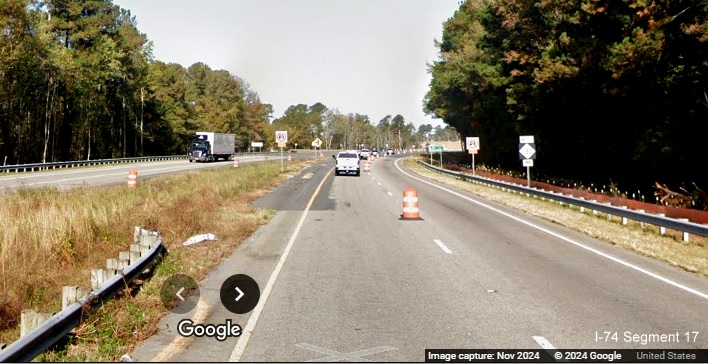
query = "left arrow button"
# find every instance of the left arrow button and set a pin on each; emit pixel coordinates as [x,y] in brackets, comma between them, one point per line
[179,293]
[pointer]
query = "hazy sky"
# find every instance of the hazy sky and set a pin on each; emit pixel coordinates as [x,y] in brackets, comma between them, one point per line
[359,56]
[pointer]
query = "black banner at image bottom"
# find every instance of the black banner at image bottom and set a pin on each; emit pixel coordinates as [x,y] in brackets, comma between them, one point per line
[566,356]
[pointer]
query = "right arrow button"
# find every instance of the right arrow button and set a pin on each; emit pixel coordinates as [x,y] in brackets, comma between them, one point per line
[240,293]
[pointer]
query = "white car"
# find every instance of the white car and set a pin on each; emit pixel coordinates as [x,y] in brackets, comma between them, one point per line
[347,162]
[364,153]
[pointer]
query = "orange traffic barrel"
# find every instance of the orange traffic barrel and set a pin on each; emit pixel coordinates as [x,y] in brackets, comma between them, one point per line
[235,162]
[410,205]
[289,157]
[367,167]
[133,179]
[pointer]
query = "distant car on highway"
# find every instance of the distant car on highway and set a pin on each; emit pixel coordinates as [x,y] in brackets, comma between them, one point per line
[364,153]
[390,151]
[375,152]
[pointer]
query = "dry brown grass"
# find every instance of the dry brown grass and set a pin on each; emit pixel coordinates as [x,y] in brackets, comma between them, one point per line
[644,240]
[50,239]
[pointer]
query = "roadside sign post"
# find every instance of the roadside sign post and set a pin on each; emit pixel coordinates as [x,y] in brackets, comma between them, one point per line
[472,148]
[527,153]
[258,145]
[436,148]
[281,136]
[317,143]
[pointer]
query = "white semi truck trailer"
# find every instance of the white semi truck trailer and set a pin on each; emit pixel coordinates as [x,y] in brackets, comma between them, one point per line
[210,146]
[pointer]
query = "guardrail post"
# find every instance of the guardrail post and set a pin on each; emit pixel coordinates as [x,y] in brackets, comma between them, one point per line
[609,216]
[594,212]
[662,230]
[641,224]
[123,256]
[108,274]
[112,263]
[96,277]
[582,209]
[148,241]
[624,219]
[123,263]
[685,234]
[100,276]
[71,294]
[134,256]
[30,319]
[135,248]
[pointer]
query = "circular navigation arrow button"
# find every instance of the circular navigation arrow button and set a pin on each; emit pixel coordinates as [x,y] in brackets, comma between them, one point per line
[240,293]
[179,293]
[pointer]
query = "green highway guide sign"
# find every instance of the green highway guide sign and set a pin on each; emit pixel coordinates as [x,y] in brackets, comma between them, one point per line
[435,148]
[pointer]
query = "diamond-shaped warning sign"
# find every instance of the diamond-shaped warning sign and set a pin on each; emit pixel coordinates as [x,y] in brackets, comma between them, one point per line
[527,151]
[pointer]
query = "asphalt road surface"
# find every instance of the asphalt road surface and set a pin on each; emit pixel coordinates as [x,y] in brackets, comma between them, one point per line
[342,277]
[116,174]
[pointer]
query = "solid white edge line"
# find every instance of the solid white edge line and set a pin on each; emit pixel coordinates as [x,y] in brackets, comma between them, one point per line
[389,193]
[442,246]
[559,236]
[253,319]
[545,344]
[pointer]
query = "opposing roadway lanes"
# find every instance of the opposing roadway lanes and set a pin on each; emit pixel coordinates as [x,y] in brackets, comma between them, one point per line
[115,174]
[347,280]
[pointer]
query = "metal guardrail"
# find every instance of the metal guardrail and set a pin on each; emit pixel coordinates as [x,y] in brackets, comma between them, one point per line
[51,331]
[669,223]
[68,164]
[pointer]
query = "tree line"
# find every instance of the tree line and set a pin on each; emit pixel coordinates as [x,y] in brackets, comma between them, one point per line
[614,91]
[338,130]
[78,81]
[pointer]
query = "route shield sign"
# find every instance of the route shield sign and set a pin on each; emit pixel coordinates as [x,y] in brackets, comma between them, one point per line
[281,136]
[527,151]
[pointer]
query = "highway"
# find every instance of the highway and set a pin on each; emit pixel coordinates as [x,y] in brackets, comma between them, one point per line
[117,174]
[342,277]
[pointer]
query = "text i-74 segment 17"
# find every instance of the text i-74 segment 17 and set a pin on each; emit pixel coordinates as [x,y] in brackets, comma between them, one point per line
[644,339]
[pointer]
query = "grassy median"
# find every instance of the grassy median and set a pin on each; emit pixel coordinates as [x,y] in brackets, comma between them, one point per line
[641,238]
[50,238]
